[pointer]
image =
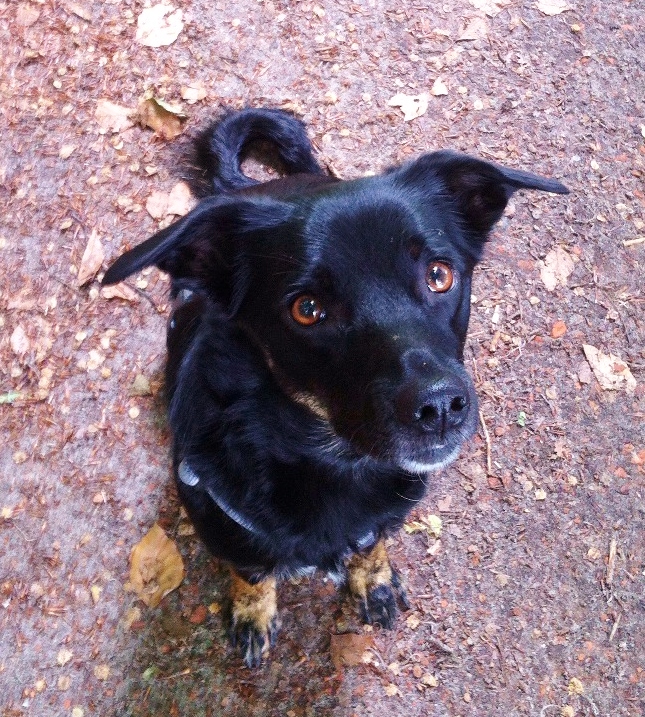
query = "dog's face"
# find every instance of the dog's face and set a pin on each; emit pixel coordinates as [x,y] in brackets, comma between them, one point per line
[364,318]
[356,294]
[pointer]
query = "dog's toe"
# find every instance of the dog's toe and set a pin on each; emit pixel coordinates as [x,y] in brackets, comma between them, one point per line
[254,617]
[376,586]
[253,640]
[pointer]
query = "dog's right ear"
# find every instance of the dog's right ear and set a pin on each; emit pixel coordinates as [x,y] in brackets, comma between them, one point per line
[206,247]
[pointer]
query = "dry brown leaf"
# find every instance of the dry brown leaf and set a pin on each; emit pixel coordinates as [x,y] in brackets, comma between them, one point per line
[558,329]
[92,259]
[165,119]
[611,372]
[159,25]
[119,291]
[156,567]
[412,106]
[112,117]
[552,7]
[555,268]
[347,649]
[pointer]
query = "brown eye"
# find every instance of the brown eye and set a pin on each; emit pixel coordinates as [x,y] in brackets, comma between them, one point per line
[306,310]
[439,277]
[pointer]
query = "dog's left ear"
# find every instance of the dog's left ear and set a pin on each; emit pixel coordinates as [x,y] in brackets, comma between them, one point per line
[480,189]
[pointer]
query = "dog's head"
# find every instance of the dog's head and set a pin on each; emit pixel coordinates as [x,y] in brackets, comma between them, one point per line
[357,293]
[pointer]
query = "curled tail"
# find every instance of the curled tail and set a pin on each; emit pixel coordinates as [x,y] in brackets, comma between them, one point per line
[220,150]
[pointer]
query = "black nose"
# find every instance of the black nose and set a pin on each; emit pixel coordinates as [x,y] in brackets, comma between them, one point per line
[436,407]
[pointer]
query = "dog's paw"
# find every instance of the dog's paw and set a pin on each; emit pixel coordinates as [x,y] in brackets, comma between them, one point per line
[376,587]
[254,618]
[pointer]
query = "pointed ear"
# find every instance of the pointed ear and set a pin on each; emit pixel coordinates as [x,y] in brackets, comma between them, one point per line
[204,245]
[480,189]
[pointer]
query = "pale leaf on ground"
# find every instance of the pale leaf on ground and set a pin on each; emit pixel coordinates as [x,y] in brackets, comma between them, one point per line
[159,25]
[19,341]
[412,106]
[490,7]
[92,259]
[552,7]
[119,291]
[180,200]
[555,268]
[439,88]
[611,372]
[194,92]
[476,29]
[156,567]
[112,117]
[26,14]
[157,204]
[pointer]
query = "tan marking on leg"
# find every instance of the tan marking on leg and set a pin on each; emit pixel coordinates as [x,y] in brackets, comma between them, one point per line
[368,571]
[253,616]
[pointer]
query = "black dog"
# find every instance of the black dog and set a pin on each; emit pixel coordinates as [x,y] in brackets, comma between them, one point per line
[315,355]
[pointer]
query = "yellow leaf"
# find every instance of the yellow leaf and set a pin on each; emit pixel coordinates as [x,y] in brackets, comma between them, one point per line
[156,567]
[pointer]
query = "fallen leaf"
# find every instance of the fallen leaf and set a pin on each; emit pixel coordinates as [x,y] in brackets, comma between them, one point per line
[555,268]
[412,106]
[347,649]
[92,259]
[392,690]
[439,88]
[194,92]
[611,372]
[430,524]
[66,151]
[78,10]
[156,567]
[140,386]
[64,656]
[159,25]
[119,291]
[165,119]
[575,686]
[26,14]
[558,329]
[476,29]
[552,7]
[429,680]
[490,7]
[19,341]
[112,117]
[102,672]
[157,204]
[180,200]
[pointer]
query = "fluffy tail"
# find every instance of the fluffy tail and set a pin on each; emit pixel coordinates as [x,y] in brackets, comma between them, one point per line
[220,149]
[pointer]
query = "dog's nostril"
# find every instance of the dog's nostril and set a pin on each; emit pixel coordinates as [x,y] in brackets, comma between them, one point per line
[458,403]
[427,414]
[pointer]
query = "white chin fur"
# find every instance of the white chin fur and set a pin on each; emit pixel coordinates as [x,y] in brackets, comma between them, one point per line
[416,467]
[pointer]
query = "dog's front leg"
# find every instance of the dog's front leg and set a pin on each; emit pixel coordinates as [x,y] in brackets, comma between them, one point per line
[254,617]
[376,586]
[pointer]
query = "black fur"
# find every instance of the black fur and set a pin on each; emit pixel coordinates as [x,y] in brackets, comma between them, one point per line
[319,438]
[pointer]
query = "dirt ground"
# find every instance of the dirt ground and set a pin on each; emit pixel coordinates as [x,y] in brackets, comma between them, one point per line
[532,600]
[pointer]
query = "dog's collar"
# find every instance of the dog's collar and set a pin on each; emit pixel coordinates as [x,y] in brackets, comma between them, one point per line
[188,477]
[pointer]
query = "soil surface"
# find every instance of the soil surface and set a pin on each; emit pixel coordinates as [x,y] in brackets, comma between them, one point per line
[532,599]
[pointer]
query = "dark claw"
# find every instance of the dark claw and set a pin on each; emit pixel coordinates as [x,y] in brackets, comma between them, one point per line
[252,641]
[380,607]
